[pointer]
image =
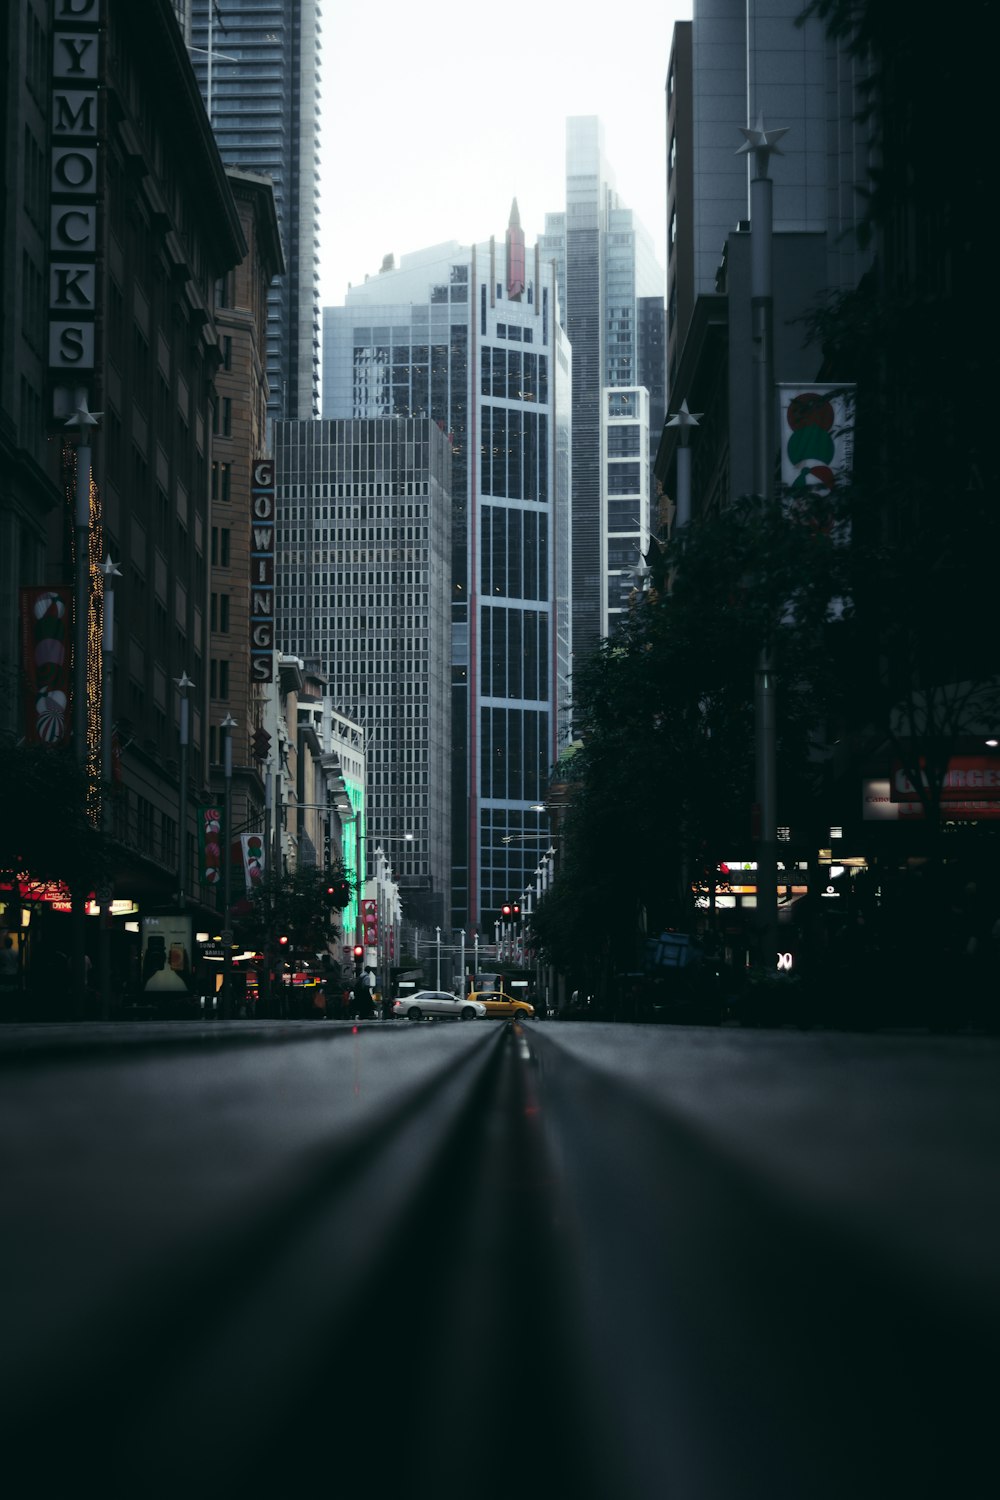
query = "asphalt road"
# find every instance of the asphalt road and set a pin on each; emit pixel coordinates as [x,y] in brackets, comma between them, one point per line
[601,1262]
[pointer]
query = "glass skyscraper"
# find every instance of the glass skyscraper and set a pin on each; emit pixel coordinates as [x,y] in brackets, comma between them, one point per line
[470,336]
[261,59]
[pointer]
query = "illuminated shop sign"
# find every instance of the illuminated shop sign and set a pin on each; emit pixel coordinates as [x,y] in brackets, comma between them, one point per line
[262,517]
[967,777]
[73,187]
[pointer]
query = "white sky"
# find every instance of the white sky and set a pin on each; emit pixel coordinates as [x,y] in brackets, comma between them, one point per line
[433,120]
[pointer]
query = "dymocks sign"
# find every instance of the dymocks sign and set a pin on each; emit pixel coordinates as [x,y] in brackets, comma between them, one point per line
[73,188]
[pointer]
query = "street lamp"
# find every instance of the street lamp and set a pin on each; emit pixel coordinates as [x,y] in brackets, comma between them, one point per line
[762,144]
[228,725]
[182,683]
[110,572]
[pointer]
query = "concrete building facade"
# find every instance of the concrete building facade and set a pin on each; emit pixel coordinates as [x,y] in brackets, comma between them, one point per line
[363,568]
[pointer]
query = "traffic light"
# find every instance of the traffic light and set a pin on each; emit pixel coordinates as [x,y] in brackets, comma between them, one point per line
[506,910]
[283,940]
[261,744]
[515,909]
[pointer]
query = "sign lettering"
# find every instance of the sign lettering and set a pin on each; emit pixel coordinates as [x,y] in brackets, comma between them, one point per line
[73,179]
[262,508]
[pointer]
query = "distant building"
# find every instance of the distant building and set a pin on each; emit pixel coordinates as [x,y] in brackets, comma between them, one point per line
[470,336]
[262,59]
[611,293]
[364,558]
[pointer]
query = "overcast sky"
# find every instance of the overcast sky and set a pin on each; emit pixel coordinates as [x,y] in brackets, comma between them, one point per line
[433,120]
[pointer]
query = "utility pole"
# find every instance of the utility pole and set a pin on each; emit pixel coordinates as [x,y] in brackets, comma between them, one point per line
[228,725]
[110,572]
[761,144]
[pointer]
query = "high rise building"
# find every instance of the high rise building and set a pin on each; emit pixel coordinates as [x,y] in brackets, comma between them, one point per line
[736,60]
[469,335]
[363,573]
[610,288]
[257,64]
[239,442]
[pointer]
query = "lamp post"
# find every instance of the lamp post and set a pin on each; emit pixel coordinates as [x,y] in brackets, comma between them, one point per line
[761,144]
[182,683]
[438,931]
[110,572]
[684,420]
[228,725]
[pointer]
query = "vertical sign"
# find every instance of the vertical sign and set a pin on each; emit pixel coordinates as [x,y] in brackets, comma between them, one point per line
[262,508]
[73,188]
[817,436]
[369,921]
[45,663]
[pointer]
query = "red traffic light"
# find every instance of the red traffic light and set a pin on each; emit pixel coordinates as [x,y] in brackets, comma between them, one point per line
[505,910]
[283,940]
[516,909]
[359,952]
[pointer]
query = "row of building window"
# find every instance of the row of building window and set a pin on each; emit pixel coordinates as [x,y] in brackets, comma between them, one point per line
[515,653]
[514,454]
[515,553]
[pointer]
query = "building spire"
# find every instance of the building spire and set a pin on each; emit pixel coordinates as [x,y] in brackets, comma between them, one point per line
[515,218]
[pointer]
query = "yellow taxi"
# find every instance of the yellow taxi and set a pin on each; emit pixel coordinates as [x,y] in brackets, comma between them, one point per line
[500,1005]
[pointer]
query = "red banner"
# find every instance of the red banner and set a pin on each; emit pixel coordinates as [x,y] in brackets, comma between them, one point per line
[968,777]
[46,634]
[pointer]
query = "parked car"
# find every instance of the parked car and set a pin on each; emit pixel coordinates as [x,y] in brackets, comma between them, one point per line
[499,1004]
[437,1003]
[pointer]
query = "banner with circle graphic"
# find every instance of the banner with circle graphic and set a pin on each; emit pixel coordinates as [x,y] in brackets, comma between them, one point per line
[252,845]
[817,437]
[46,637]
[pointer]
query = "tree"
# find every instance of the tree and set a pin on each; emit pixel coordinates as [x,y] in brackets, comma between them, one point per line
[662,786]
[301,906]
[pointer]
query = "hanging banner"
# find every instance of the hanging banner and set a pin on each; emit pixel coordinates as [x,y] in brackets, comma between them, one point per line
[210,844]
[369,922]
[817,436]
[252,845]
[262,518]
[46,629]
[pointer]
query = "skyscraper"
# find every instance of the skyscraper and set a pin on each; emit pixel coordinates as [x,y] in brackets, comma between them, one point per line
[606,269]
[257,64]
[470,336]
[363,571]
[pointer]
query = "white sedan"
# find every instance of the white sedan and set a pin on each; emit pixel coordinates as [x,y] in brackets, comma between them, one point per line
[437,1003]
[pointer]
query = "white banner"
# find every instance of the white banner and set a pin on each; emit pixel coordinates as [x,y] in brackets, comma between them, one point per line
[817,436]
[253,858]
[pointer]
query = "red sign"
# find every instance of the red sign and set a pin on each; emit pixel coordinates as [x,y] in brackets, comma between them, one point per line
[369,921]
[968,778]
